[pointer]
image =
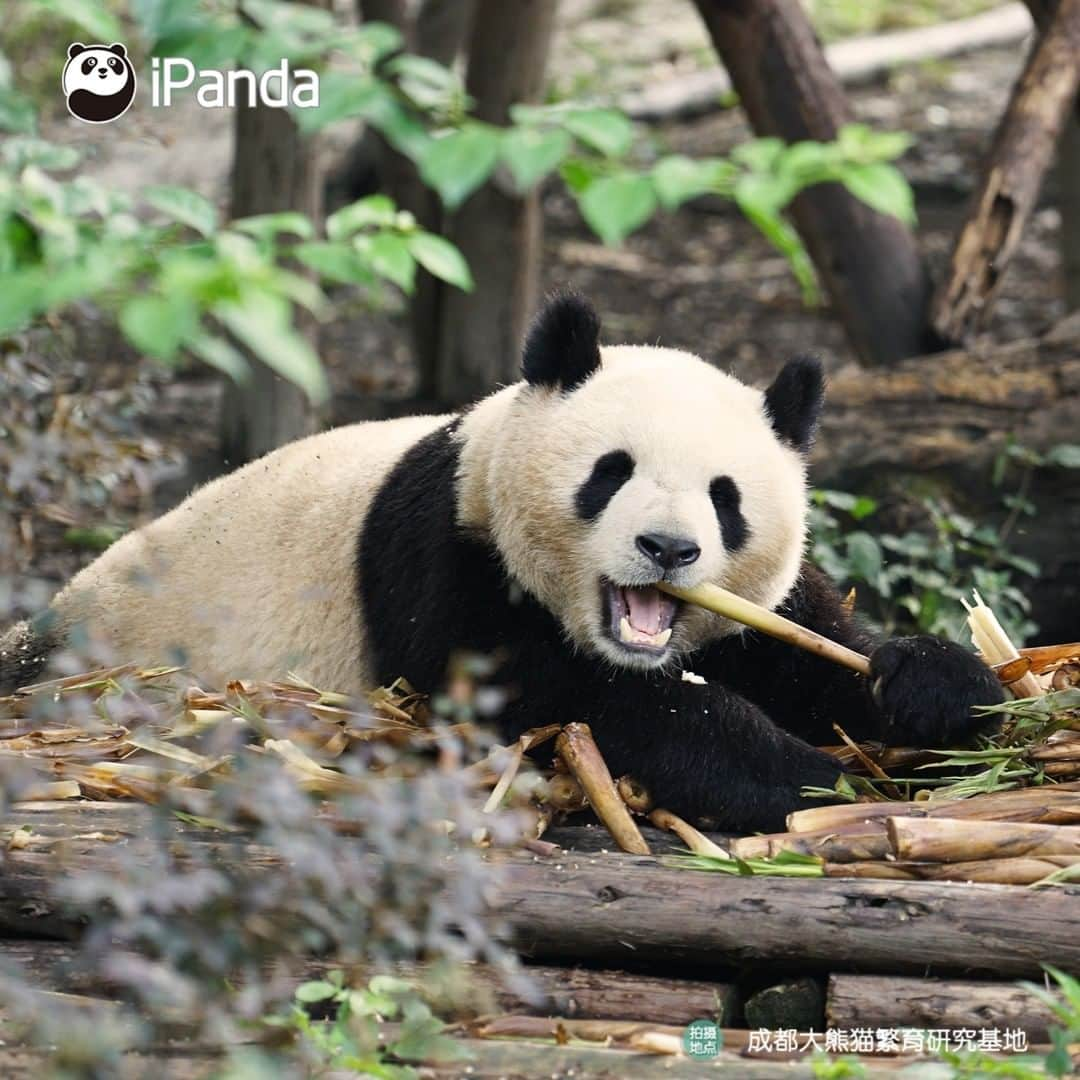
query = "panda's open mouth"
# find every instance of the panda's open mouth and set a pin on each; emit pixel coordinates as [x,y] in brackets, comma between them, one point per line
[639,617]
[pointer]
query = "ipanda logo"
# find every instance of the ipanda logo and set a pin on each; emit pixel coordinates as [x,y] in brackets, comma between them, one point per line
[98,81]
[99,84]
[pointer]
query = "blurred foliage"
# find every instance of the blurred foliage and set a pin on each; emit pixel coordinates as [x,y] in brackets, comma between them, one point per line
[178,282]
[914,582]
[67,239]
[240,872]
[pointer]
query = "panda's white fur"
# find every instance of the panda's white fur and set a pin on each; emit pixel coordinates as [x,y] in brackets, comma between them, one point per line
[527,450]
[252,575]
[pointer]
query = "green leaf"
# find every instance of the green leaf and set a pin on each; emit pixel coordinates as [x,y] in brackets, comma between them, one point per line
[531,154]
[376,210]
[218,353]
[1065,456]
[263,323]
[214,46]
[864,556]
[267,226]
[678,178]
[440,258]
[21,151]
[157,325]
[316,990]
[17,112]
[458,163]
[578,173]
[90,15]
[759,155]
[605,130]
[882,187]
[390,258]
[615,206]
[183,205]
[335,262]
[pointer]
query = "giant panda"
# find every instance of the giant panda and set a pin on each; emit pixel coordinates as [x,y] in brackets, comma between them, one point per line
[534,527]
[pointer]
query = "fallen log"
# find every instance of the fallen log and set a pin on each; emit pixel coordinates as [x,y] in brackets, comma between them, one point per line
[883,1001]
[950,840]
[854,61]
[581,993]
[1056,804]
[618,909]
[1023,150]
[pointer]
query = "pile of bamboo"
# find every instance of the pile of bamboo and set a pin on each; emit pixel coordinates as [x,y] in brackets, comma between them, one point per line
[1018,837]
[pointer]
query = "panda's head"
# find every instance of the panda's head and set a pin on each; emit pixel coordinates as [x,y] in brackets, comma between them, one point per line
[611,469]
[98,81]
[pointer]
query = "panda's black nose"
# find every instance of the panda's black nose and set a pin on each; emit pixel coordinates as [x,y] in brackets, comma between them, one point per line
[668,552]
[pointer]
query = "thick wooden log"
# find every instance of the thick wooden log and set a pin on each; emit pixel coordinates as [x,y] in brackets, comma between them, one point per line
[580,993]
[950,840]
[620,908]
[869,262]
[625,906]
[1022,151]
[883,1001]
[953,410]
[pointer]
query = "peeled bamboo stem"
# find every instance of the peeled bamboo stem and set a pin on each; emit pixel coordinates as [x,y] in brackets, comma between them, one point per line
[1051,803]
[576,747]
[949,840]
[733,607]
[849,843]
[1020,871]
[996,649]
[696,841]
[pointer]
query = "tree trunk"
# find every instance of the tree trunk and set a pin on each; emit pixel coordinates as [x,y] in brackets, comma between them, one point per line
[1069,185]
[498,232]
[438,31]
[869,262]
[1022,151]
[274,168]
[886,1001]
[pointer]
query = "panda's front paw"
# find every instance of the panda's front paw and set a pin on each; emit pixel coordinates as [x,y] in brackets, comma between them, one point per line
[925,689]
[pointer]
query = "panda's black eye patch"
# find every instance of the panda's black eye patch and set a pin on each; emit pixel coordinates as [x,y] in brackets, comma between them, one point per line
[89,64]
[115,64]
[726,501]
[610,472]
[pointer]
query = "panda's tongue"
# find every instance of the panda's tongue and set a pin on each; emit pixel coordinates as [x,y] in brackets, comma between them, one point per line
[645,609]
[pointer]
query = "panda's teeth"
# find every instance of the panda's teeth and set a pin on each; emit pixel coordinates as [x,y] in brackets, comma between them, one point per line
[638,637]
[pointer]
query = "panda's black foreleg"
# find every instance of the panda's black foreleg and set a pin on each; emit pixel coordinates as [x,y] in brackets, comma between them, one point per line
[705,752]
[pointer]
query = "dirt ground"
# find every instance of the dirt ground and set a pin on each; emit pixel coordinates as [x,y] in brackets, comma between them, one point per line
[702,279]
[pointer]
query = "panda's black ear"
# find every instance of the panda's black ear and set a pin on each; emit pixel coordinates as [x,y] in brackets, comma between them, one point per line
[75,48]
[117,48]
[562,347]
[794,401]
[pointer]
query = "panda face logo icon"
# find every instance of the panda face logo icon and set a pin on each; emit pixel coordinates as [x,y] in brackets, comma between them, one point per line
[98,81]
